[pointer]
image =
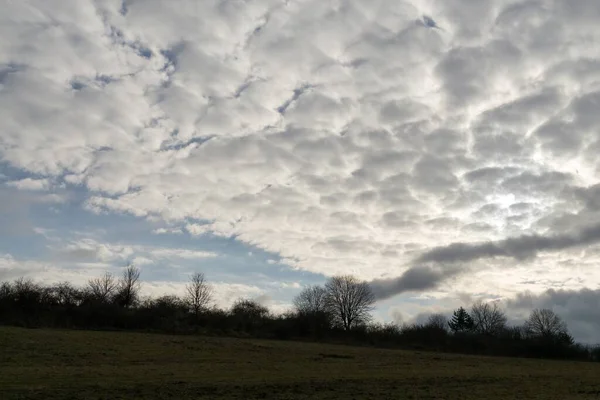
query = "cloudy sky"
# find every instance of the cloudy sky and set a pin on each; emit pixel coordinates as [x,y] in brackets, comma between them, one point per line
[445,149]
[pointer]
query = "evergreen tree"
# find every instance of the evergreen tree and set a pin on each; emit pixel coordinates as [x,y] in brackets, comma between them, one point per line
[461,321]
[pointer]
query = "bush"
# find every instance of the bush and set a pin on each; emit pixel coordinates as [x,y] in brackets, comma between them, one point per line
[25,303]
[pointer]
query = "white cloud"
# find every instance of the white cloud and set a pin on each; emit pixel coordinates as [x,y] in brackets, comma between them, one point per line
[181,253]
[90,250]
[347,137]
[12,268]
[30,184]
[165,231]
[290,285]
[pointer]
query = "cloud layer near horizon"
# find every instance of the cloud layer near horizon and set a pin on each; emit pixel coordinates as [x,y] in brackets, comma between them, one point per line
[452,144]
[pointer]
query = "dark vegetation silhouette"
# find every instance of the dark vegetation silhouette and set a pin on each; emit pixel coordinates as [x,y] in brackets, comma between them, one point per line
[348,301]
[487,319]
[461,321]
[198,294]
[337,312]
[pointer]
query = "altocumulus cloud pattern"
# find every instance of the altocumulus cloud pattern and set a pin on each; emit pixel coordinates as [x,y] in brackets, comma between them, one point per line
[448,147]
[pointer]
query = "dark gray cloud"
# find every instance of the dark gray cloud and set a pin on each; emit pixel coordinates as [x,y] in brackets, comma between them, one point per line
[445,142]
[433,174]
[455,70]
[544,183]
[523,111]
[443,223]
[520,207]
[502,147]
[486,211]
[397,219]
[489,175]
[556,136]
[520,248]
[580,309]
[402,111]
[589,196]
[415,279]
[468,72]
[478,227]
[449,261]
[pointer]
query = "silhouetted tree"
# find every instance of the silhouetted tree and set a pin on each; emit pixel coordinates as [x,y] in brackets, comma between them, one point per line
[311,311]
[109,304]
[65,294]
[388,330]
[565,338]
[488,318]
[128,288]
[7,301]
[6,295]
[5,290]
[167,302]
[349,301]
[198,293]
[545,323]
[249,314]
[461,321]
[166,313]
[249,308]
[102,289]
[437,321]
[311,300]
[27,294]
[515,333]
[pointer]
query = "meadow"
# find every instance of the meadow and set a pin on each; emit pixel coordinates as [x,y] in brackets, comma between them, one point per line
[70,364]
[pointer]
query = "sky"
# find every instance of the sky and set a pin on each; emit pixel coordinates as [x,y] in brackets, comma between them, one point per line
[444,150]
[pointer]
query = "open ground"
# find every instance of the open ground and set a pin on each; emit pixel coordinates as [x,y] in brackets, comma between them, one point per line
[56,364]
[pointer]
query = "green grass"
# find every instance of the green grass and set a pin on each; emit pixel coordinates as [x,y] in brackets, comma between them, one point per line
[56,364]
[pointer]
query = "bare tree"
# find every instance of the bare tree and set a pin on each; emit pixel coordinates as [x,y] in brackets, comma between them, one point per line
[27,292]
[311,306]
[128,289]
[198,293]
[349,301]
[438,321]
[488,318]
[545,323]
[311,300]
[6,290]
[25,285]
[102,289]
[65,294]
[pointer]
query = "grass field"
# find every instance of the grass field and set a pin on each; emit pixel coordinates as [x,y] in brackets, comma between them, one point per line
[54,364]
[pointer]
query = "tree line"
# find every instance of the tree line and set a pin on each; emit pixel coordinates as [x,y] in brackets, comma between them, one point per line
[340,311]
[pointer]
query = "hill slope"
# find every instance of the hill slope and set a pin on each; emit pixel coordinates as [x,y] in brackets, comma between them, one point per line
[52,364]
